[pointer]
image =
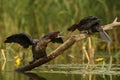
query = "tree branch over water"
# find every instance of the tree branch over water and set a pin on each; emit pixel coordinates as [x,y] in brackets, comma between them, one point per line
[68,43]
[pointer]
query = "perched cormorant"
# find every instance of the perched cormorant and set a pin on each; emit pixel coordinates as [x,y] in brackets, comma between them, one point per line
[90,25]
[38,45]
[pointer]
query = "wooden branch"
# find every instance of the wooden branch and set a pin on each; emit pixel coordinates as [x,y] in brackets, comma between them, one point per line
[53,54]
[68,43]
[111,25]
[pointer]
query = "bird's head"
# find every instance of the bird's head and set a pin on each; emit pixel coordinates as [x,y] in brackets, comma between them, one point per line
[72,28]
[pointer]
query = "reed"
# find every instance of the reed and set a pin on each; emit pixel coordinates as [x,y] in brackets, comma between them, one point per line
[37,17]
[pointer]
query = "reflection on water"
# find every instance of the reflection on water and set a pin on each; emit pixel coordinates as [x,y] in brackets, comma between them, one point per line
[55,76]
[33,76]
[62,72]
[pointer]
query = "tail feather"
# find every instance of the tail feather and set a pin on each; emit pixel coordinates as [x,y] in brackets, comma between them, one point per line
[105,36]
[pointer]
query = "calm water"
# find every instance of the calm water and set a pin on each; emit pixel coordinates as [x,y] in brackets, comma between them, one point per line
[56,76]
[63,72]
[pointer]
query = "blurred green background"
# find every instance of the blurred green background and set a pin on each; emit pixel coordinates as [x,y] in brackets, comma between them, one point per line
[38,17]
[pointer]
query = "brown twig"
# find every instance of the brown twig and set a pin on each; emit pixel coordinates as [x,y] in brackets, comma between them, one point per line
[68,43]
[53,54]
[111,25]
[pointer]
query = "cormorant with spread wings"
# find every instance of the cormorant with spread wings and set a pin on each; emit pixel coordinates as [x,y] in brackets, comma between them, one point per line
[38,45]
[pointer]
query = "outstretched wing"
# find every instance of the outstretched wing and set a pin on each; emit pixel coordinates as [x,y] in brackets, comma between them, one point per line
[54,36]
[21,38]
[57,40]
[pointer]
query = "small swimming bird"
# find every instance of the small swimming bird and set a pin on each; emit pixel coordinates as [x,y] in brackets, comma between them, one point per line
[38,45]
[90,25]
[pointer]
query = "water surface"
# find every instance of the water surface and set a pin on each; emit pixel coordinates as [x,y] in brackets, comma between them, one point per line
[64,72]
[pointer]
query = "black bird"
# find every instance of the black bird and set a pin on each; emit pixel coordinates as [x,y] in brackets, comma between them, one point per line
[38,45]
[90,25]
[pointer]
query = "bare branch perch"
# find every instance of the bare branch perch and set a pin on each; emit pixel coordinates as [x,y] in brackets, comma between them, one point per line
[68,43]
[111,25]
[53,54]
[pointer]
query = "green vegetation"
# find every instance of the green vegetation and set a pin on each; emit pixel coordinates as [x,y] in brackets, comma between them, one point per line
[37,17]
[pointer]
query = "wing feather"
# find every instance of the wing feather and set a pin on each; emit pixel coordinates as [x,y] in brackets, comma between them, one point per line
[21,38]
[54,37]
[57,40]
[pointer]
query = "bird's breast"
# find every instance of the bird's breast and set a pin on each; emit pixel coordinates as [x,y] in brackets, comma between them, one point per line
[38,48]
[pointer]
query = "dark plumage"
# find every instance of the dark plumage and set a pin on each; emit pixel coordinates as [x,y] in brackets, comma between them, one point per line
[38,45]
[22,39]
[90,25]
